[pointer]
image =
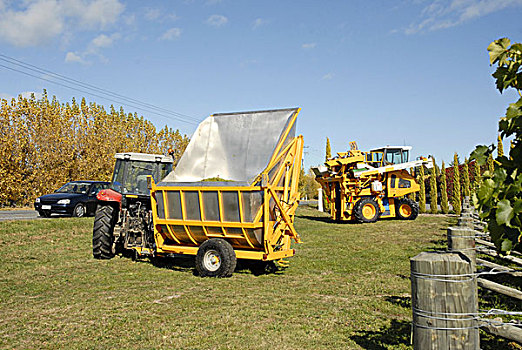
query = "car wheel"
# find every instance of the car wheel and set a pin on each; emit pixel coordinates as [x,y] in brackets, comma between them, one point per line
[79,210]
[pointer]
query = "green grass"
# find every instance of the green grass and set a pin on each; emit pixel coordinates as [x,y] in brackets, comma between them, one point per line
[348,287]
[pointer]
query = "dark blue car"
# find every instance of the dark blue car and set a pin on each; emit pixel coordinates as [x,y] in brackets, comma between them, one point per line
[75,198]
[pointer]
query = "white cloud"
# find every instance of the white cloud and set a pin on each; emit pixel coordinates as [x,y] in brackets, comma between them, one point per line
[217,20]
[103,40]
[442,14]
[152,14]
[36,22]
[171,34]
[328,76]
[94,48]
[72,57]
[258,23]
[27,94]
[309,46]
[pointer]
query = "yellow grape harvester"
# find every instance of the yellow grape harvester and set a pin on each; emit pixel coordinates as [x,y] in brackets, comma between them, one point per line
[367,186]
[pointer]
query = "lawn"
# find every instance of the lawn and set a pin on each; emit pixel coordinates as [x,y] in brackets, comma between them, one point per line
[348,287]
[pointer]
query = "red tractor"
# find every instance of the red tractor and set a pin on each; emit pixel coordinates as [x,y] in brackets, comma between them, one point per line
[123,217]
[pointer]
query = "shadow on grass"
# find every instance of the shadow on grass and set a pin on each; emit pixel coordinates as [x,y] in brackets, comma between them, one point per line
[398,333]
[319,218]
[404,302]
[187,263]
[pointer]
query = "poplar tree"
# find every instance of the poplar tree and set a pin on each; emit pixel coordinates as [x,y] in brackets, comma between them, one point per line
[328,149]
[465,174]
[478,177]
[413,195]
[491,164]
[422,191]
[443,190]
[433,189]
[456,201]
[500,146]
[328,155]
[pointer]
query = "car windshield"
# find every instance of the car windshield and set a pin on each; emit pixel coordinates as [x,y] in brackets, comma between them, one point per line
[74,187]
[130,176]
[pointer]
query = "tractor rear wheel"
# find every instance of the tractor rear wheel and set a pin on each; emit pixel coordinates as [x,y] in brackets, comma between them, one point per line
[366,210]
[102,234]
[216,258]
[406,209]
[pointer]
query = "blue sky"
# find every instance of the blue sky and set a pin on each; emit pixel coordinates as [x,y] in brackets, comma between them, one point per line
[378,72]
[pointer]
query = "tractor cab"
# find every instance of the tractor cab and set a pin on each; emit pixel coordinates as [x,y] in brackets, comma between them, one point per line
[388,155]
[131,171]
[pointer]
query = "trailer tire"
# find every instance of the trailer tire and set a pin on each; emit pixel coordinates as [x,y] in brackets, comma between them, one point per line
[102,234]
[406,209]
[216,258]
[366,210]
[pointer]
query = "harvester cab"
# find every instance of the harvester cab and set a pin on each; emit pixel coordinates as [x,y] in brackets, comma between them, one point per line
[123,215]
[367,186]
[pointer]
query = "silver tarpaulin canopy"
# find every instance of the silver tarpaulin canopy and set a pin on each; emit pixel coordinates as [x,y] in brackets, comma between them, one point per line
[233,146]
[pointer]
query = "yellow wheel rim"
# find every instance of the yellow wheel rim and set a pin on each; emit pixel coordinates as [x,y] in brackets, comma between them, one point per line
[368,211]
[405,210]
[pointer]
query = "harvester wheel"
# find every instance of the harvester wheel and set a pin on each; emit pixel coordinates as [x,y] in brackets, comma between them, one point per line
[216,258]
[406,209]
[102,234]
[366,210]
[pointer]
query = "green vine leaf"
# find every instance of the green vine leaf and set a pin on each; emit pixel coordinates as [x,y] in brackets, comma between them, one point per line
[497,49]
[504,212]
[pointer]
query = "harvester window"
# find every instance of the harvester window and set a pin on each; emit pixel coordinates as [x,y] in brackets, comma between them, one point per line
[405,156]
[404,183]
[393,156]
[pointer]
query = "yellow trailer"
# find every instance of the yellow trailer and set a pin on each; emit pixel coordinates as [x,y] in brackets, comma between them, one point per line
[248,216]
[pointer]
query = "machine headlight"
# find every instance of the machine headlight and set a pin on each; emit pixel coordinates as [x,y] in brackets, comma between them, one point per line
[37,200]
[64,201]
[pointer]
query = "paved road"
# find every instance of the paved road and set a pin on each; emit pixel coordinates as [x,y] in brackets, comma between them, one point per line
[18,215]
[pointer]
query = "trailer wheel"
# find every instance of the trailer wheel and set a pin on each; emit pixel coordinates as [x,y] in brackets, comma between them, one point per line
[216,258]
[366,210]
[406,209]
[102,234]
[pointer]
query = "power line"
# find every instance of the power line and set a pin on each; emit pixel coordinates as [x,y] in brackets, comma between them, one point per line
[98,92]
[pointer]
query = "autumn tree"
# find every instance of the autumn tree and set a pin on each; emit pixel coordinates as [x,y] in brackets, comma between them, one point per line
[422,191]
[443,190]
[45,144]
[456,200]
[433,188]
[465,175]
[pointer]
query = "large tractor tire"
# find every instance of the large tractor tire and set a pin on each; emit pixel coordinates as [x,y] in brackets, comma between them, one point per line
[216,258]
[102,234]
[366,210]
[406,209]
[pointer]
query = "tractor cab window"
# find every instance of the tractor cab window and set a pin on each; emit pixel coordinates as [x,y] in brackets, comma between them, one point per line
[130,176]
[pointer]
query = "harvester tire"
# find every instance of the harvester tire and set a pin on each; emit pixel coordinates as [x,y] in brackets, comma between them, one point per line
[216,258]
[366,210]
[102,234]
[406,209]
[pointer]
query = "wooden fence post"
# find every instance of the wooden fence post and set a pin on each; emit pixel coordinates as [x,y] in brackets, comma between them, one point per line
[444,302]
[462,239]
